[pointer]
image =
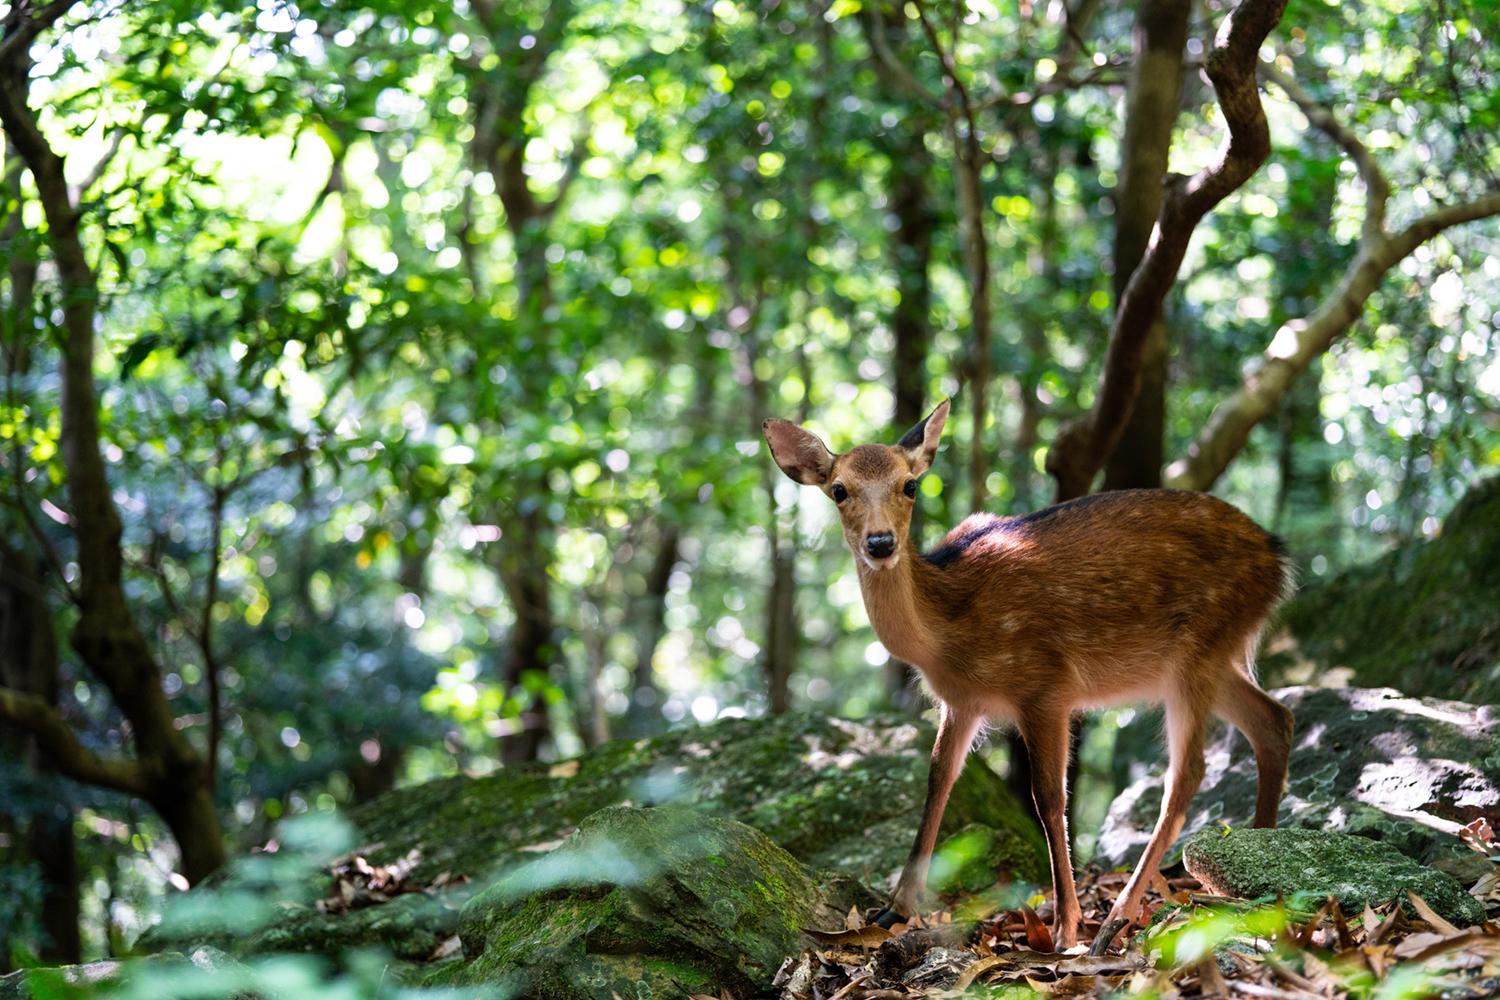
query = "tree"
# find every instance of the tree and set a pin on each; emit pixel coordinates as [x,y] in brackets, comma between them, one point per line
[167,770]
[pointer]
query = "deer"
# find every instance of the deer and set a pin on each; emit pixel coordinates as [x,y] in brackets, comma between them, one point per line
[1146,595]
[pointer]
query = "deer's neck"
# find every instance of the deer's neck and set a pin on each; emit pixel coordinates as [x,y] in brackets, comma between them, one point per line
[897,612]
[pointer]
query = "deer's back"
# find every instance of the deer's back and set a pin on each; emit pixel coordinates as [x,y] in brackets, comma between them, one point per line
[1114,581]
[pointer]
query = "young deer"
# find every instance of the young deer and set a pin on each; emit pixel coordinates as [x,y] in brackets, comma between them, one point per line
[1138,595]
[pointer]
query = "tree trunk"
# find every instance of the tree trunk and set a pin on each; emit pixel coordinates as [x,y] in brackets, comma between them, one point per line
[644,713]
[1085,444]
[186,805]
[28,662]
[531,651]
[781,622]
[168,770]
[1151,102]
[911,255]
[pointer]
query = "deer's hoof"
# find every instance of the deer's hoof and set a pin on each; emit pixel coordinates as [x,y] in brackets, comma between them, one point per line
[889,918]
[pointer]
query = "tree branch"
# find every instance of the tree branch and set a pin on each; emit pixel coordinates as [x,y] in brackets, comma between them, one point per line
[875,31]
[1302,340]
[1082,448]
[1377,187]
[64,753]
[21,30]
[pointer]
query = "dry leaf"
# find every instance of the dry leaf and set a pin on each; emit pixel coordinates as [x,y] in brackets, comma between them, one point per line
[1038,937]
[1430,915]
[976,970]
[563,769]
[872,936]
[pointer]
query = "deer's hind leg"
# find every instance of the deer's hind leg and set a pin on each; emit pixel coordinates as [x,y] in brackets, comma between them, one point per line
[1046,733]
[1187,719]
[1267,724]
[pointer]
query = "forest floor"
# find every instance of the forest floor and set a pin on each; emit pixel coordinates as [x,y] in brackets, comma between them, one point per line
[1195,945]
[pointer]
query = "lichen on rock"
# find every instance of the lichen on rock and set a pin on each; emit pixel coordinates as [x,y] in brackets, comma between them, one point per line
[1356,871]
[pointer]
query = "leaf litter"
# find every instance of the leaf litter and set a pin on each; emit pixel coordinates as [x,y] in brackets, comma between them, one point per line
[1194,944]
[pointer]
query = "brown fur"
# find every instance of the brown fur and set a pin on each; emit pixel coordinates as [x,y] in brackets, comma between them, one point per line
[1140,595]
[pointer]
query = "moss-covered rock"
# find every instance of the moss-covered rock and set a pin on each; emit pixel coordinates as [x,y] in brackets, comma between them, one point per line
[1252,864]
[1406,771]
[644,903]
[161,977]
[835,793]
[838,795]
[1424,618]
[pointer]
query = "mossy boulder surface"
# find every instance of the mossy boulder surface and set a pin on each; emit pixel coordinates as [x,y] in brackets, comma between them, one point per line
[646,903]
[840,796]
[159,977]
[1356,871]
[835,793]
[1425,617]
[1372,762]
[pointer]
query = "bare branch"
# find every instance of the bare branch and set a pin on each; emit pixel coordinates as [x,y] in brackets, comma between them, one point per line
[64,752]
[875,29]
[1377,188]
[1300,341]
[96,173]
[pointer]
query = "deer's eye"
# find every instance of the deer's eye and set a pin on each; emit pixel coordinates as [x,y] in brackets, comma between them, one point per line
[839,493]
[910,489]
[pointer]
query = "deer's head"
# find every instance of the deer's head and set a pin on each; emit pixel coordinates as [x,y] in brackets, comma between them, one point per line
[874,485]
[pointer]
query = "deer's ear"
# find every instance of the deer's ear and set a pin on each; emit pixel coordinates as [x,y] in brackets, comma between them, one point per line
[921,442]
[799,452]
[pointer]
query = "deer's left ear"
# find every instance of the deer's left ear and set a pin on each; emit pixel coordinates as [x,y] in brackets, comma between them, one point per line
[799,452]
[921,442]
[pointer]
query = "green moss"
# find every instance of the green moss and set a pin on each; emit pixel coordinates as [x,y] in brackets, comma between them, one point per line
[1424,618]
[1252,864]
[838,795]
[701,903]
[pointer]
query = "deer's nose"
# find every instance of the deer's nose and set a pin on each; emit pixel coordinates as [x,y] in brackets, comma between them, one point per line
[881,545]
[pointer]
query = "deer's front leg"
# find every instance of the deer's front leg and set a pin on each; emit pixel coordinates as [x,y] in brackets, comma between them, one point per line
[955,736]
[1046,734]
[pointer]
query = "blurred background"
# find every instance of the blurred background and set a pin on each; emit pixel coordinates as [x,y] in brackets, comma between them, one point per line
[430,344]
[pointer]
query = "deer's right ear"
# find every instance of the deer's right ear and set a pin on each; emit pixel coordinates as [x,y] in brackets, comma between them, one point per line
[799,452]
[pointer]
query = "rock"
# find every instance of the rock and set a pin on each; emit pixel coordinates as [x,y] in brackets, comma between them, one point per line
[643,902]
[1424,618]
[838,795]
[1373,762]
[167,975]
[1252,864]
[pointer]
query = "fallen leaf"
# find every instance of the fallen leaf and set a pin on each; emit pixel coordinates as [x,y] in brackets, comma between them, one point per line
[1430,915]
[1038,937]
[563,769]
[976,970]
[872,936]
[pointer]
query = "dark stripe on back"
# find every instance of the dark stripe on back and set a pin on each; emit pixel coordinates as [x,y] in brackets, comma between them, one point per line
[947,555]
[1055,509]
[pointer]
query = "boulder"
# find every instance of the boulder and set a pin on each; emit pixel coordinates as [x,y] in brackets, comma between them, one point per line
[1253,864]
[1424,617]
[837,795]
[1373,762]
[644,902]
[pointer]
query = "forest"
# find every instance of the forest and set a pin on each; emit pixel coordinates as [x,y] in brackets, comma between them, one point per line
[399,596]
